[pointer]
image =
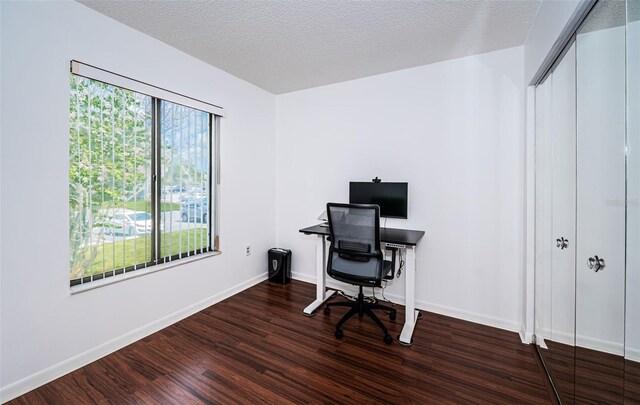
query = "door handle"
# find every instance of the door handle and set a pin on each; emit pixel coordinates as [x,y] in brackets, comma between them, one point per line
[595,263]
[562,243]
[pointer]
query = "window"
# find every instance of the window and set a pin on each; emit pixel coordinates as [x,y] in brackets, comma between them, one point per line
[140,175]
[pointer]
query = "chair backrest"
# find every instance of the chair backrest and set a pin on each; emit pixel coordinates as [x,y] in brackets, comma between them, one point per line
[354,254]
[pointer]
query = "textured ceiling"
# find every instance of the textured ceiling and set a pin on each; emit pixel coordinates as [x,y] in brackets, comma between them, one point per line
[284,46]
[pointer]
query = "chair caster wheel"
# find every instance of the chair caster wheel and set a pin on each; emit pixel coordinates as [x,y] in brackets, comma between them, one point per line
[392,315]
[327,311]
[388,339]
[340,335]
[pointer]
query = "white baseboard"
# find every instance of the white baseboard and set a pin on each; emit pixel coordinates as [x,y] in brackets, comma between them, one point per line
[566,338]
[614,348]
[525,336]
[475,317]
[600,345]
[42,377]
[587,342]
[632,354]
[427,306]
[540,342]
[311,279]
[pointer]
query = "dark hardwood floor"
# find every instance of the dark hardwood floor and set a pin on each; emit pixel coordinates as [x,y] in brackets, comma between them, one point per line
[584,376]
[258,347]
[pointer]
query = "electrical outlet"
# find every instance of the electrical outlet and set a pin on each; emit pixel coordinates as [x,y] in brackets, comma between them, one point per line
[247,250]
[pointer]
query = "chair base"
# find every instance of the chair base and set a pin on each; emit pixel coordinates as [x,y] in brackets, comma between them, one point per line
[362,308]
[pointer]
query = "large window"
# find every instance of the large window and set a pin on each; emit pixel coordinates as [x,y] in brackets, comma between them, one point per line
[140,178]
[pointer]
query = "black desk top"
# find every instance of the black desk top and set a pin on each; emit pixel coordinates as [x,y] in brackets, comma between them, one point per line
[388,235]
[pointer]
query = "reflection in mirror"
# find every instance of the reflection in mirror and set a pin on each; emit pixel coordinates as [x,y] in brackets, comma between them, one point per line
[632,323]
[560,353]
[600,225]
[555,223]
[543,214]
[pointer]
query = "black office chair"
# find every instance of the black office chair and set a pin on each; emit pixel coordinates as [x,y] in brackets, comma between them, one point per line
[355,258]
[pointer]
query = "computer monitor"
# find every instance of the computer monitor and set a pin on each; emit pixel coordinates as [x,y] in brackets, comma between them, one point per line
[391,197]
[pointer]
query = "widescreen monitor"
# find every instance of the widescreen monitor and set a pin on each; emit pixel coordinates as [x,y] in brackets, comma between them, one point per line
[391,197]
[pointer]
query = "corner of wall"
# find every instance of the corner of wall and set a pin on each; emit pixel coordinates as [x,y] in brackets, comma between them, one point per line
[529,216]
[276,141]
[1,191]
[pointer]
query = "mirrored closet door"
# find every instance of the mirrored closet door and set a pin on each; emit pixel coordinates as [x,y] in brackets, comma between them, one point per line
[601,205]
[587,227]
[632,280]
[556,220]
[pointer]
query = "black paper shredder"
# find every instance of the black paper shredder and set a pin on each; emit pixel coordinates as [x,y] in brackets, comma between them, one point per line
[279,265]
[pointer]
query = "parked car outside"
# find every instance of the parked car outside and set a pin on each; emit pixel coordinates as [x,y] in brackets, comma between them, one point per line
[129,222]
[194,210]
[191,196]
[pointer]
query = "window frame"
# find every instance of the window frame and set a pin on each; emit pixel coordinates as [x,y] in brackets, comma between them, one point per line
[214,115]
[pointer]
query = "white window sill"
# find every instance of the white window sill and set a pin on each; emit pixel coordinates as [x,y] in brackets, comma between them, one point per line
[76,289]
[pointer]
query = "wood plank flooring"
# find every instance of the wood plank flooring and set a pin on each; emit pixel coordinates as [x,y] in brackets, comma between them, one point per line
[584,376]
[258,347]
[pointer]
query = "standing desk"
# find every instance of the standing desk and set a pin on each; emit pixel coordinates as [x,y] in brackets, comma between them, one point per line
[389,237]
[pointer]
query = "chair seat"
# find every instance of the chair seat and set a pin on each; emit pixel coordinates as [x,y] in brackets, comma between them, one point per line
[359,273]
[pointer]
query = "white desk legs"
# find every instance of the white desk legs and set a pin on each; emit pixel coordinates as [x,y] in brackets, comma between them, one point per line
[321,281]
[411,314]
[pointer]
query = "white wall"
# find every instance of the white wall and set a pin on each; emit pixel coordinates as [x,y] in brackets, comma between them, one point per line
[44,330]
[455,131]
